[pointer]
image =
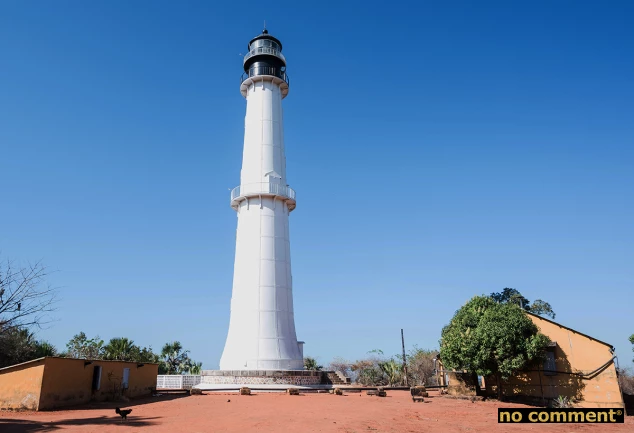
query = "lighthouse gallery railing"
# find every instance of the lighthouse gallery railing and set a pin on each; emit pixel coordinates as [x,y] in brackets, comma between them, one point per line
[264,50]
[265,70]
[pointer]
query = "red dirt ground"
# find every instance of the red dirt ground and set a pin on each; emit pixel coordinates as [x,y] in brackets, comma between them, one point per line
[277,413]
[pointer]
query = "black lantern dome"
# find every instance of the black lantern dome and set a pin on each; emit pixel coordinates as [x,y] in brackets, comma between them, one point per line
[265,58]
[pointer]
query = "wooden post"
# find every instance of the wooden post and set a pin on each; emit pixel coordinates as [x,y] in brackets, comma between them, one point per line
[404,359]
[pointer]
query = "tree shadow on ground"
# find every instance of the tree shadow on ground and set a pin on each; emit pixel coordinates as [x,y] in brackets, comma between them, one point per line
[29,426]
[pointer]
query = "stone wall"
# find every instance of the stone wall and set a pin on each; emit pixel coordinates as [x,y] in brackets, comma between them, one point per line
[261,377]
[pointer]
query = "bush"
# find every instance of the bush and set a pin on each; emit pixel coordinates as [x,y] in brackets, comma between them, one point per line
[626,380]
[420,367]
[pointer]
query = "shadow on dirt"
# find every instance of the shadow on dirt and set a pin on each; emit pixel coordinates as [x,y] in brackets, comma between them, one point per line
[29,426]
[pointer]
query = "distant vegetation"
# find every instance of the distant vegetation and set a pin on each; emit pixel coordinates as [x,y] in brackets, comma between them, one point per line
[19,345]
[311,364]
[376,369]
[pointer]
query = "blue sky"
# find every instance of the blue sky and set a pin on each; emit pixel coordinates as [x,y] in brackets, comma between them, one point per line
[439,150]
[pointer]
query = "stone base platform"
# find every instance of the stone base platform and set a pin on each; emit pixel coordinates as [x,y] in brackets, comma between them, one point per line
[257,378]
[259,388]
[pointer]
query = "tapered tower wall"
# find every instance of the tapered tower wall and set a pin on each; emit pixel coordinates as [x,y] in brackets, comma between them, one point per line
[262,326]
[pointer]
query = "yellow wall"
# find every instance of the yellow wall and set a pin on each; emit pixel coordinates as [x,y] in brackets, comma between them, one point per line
[69,382]
[574,353]
[20,386]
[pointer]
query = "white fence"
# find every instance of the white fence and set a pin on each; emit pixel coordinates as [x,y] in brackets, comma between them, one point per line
[176,381]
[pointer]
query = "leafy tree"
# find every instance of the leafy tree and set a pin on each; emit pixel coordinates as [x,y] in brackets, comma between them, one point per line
[632,341]
[513,296]
[174,360]
[491,338]
[83,347]
[25,298]
[311,364]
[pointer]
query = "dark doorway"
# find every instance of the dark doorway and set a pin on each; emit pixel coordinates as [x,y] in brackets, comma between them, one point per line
[96,378]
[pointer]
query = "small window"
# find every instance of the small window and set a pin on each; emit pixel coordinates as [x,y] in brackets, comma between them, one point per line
[126,378]
[549,364]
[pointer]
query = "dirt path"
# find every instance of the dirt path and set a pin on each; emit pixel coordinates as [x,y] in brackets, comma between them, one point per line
[280,413]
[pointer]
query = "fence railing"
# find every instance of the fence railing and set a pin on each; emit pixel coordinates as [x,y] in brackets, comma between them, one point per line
[264,50]
[177,381]
[265,70]
[263,188]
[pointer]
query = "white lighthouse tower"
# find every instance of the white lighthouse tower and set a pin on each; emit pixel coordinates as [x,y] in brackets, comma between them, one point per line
[262,325]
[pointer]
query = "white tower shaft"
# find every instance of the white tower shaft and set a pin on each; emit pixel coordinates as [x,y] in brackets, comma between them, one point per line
[262,325]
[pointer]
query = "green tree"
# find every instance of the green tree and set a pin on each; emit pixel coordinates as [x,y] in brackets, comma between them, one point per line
[632,341]
[19,345]
[513,296]
[121,349]
[146,354]
[194,367]
[174,360]
[311,364]
[83,347]
[491,338]
[44,348]
[16,346]
[392,370]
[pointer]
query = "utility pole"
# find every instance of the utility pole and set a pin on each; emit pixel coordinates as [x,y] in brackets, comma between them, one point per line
[404,359]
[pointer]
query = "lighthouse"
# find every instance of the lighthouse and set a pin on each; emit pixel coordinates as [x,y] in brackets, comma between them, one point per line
[262,325]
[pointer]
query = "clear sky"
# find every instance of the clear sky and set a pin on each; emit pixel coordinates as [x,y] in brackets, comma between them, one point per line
[439,150]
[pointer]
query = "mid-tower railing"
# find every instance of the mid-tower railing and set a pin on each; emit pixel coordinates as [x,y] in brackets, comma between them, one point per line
[264,50]
[263,188]
[265,70]
[242,192]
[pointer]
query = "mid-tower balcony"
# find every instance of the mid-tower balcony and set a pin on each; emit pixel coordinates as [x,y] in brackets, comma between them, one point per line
[242,192]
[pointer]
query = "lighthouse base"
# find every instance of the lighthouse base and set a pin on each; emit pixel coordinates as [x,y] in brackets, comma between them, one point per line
[262,377]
